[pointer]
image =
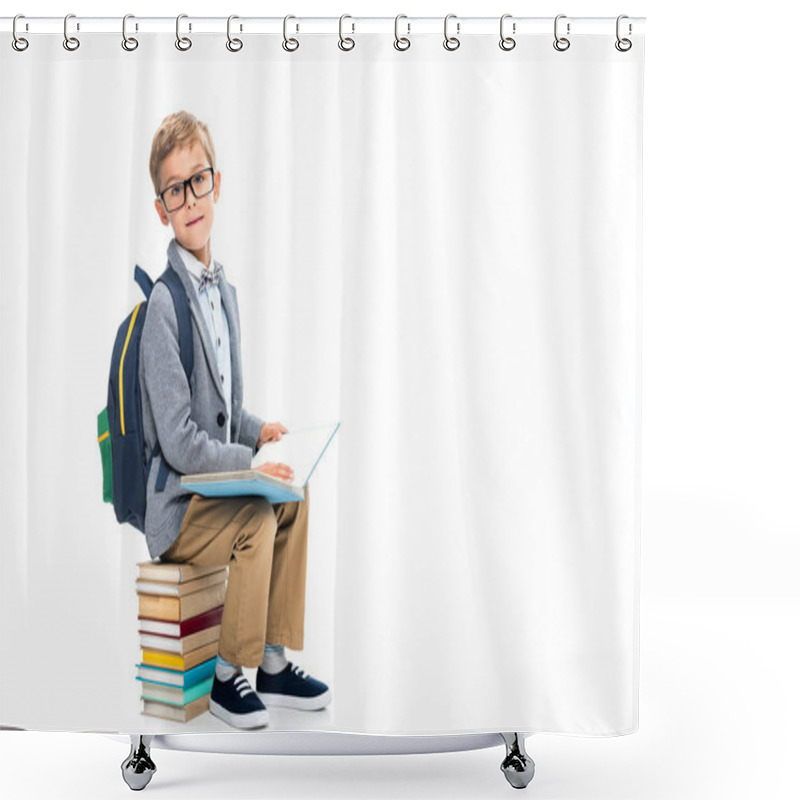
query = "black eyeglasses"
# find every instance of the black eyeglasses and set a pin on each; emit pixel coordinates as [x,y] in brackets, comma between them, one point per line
[201,184]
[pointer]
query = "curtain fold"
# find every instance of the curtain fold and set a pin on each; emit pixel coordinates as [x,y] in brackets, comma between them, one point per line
[442,251]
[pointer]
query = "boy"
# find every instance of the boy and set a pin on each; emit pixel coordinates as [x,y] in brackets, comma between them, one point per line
[206,429]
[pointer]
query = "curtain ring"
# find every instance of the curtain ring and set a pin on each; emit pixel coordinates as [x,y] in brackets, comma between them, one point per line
[289,45]
[506,42]
[234,45]
[183,43]
[347,43]
[401,43]
[623,45]
[70,42]
[129,43]
[561,43]
[18,42]
[450,42]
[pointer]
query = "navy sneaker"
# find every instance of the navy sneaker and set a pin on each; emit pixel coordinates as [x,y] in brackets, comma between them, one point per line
[292,688]
[235,702]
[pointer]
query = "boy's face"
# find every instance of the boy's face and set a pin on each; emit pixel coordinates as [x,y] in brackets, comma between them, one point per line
[192,222]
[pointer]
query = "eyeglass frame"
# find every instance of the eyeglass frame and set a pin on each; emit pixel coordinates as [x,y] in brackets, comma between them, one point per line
[188,182]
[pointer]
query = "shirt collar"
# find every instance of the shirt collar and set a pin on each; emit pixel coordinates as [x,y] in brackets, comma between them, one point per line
[193,266]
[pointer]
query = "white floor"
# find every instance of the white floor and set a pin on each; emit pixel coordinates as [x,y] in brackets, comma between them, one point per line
[719,703]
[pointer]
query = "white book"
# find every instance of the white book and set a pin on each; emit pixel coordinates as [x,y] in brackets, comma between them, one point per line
[301,450]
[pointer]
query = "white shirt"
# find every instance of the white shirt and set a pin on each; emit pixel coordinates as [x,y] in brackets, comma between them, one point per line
[216,320]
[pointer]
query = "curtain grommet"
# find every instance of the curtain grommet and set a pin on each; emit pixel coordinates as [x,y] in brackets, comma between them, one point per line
[183,43]
[506,42]
[19,43]
[623,45]
[451,43]
[129,43]
[289,44]
[346,43]
[561,43]
[233,44]
[70,43]
[401,43]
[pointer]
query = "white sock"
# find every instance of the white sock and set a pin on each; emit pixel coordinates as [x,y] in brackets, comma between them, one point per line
[274,659]
[225,670]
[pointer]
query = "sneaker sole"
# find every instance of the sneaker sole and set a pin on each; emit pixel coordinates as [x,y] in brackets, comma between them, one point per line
[302,703]
[255,719]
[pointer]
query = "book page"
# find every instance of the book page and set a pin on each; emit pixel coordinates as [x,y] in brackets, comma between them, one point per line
[300,449]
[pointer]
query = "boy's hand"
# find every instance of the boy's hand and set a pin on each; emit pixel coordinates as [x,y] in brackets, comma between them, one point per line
[271,432]
[281,471]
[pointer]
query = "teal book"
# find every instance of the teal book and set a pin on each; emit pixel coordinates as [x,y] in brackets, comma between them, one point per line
[174,695]
[301,450]
[172,677]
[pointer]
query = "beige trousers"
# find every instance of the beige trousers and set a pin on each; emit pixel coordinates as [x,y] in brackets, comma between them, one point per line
[265,548]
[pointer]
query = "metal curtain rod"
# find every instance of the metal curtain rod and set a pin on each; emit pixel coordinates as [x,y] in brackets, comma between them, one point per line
[321,25]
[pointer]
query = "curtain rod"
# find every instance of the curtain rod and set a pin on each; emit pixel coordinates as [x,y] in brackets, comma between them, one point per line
[324,25]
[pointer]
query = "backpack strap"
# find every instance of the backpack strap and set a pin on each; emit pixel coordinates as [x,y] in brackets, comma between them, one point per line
[181,302]
[144,280]
[186,343]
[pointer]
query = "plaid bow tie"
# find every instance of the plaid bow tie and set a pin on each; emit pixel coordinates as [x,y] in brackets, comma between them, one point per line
[209,277]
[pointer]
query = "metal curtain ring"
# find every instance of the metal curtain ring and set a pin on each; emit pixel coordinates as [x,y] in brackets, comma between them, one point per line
[234,45]
[506,42]
[290,45]
[450,42]
[401,43]
[181,42]
[70,42]
[345,43]
[18,42]
[128,42]
[623,45]
[561,43]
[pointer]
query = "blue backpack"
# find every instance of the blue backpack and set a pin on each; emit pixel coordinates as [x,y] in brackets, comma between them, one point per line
[120,430]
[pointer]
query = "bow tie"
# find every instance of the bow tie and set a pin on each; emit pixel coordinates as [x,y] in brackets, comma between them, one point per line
[209,277]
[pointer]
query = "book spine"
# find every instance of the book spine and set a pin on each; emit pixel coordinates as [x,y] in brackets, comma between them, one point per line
[201,601]
[179,609]
[176,630]
[174,573]
[175,695]
[179,589]
[159,658]
[180,645]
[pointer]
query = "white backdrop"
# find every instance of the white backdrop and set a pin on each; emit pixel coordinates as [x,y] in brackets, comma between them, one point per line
[720,528]
[442,250]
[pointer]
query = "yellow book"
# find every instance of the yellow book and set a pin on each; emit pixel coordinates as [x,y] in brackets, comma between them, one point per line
[160,658]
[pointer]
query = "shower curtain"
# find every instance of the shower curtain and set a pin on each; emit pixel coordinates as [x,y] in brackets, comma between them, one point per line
[438,248]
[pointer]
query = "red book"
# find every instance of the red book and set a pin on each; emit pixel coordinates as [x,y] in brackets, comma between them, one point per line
[178,630]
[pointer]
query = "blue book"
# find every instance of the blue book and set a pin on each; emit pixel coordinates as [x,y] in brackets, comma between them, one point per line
[173,677]
[301,450]
[174,695]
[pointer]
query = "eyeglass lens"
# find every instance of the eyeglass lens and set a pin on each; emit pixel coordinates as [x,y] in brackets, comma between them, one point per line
[201,182]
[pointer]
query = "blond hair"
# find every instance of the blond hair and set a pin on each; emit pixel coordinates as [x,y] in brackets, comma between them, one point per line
[180,129]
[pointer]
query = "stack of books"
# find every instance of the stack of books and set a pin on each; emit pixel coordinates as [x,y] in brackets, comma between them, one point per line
[180,611]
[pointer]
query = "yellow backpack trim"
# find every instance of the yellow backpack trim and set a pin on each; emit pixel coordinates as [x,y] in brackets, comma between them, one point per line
[121,364]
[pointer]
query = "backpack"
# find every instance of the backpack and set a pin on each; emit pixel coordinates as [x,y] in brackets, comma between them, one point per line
[120,429]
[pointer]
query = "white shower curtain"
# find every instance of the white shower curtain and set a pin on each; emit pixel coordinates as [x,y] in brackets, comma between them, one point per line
[442,251]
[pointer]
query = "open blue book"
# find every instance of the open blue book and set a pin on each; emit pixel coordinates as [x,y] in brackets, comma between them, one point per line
[301,450]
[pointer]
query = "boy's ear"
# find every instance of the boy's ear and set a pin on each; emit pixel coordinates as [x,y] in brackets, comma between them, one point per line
[217,182]
[162,212]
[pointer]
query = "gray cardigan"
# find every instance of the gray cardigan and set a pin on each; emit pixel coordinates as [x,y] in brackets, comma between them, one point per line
[188,425]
